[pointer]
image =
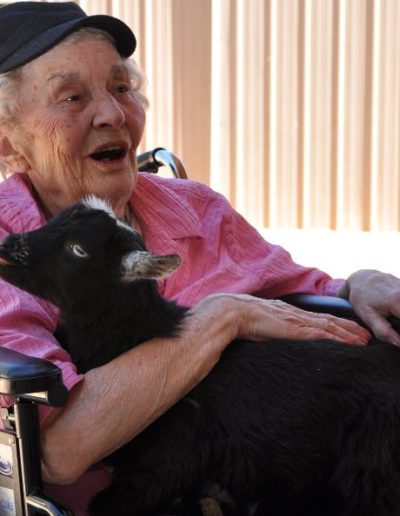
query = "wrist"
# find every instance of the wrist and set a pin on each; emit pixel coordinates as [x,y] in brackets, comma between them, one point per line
[218,314]
[344,291]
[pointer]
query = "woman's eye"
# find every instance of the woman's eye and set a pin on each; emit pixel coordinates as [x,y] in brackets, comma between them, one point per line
[78,251]
[123,88]
[73,98]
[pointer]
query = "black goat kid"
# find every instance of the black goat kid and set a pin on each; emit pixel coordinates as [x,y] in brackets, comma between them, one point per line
[278,428]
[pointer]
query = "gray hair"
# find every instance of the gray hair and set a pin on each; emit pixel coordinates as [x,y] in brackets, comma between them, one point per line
[10,81]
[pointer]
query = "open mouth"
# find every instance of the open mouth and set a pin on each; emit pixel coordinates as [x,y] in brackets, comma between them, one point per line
[110,154]
[5,261]
[6,256]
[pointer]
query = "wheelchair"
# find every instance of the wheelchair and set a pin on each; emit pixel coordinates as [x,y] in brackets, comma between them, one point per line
[30,381]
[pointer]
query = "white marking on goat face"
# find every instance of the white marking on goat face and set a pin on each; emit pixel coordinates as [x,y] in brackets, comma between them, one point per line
[96,203]
[143,265]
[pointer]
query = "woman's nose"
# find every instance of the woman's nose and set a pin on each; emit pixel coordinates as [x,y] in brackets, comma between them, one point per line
[108,112]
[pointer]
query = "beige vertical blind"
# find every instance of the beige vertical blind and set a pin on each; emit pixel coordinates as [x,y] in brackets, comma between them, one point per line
[291,108]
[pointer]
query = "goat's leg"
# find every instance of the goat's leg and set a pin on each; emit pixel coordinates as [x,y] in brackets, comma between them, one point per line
[368,474]
[143,493]
[123,498]
[383,501]
[162,464]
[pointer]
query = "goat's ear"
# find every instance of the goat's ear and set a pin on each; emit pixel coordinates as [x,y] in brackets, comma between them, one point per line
[143,265]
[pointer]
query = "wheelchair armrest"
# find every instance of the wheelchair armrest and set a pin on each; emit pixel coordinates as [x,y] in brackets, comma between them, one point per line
[323,304]
[32,378]
[330,305]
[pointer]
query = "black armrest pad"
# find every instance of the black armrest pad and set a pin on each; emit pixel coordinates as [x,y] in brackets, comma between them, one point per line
[331,305]
[23,374]
[323,304]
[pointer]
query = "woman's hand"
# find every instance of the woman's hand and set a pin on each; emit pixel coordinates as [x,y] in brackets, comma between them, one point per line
[259,319]
[375,296]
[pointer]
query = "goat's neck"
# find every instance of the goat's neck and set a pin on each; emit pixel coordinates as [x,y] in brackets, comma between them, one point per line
[116,320]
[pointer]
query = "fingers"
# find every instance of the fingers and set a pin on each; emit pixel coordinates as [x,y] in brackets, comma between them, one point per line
[322,326]
[276,319]
[375,296]
[342,330]
[381,327]
[319,325]
[386,333]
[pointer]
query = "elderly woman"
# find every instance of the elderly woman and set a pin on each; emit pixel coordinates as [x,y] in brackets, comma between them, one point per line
[72,116]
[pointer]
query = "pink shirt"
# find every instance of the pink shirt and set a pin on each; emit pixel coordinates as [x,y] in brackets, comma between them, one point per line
[220,252]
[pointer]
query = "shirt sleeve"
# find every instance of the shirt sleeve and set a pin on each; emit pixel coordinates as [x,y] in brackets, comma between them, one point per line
[275,273]
[27,325]
[223,253]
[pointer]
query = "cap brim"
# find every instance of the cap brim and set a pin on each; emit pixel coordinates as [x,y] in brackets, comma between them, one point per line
[122,34]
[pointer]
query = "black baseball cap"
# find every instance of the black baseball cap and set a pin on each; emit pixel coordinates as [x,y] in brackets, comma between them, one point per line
[29,29]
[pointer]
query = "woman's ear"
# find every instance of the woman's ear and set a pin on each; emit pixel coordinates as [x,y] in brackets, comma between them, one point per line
[10,157]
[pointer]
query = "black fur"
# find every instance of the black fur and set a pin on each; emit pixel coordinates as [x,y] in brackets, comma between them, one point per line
[281,428]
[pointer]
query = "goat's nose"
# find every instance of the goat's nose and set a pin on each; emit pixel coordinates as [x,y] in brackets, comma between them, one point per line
[108,112]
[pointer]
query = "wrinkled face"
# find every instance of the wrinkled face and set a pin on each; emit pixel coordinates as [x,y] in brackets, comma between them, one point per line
[79,124]
[83,249]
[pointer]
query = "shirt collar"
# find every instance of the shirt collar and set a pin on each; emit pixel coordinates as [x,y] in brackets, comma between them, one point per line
[19,208]
[159,203]
[163,209]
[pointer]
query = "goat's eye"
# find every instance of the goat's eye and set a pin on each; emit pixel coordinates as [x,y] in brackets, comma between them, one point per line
[78,251]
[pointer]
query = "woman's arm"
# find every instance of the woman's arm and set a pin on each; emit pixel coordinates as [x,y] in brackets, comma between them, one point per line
[117,401]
